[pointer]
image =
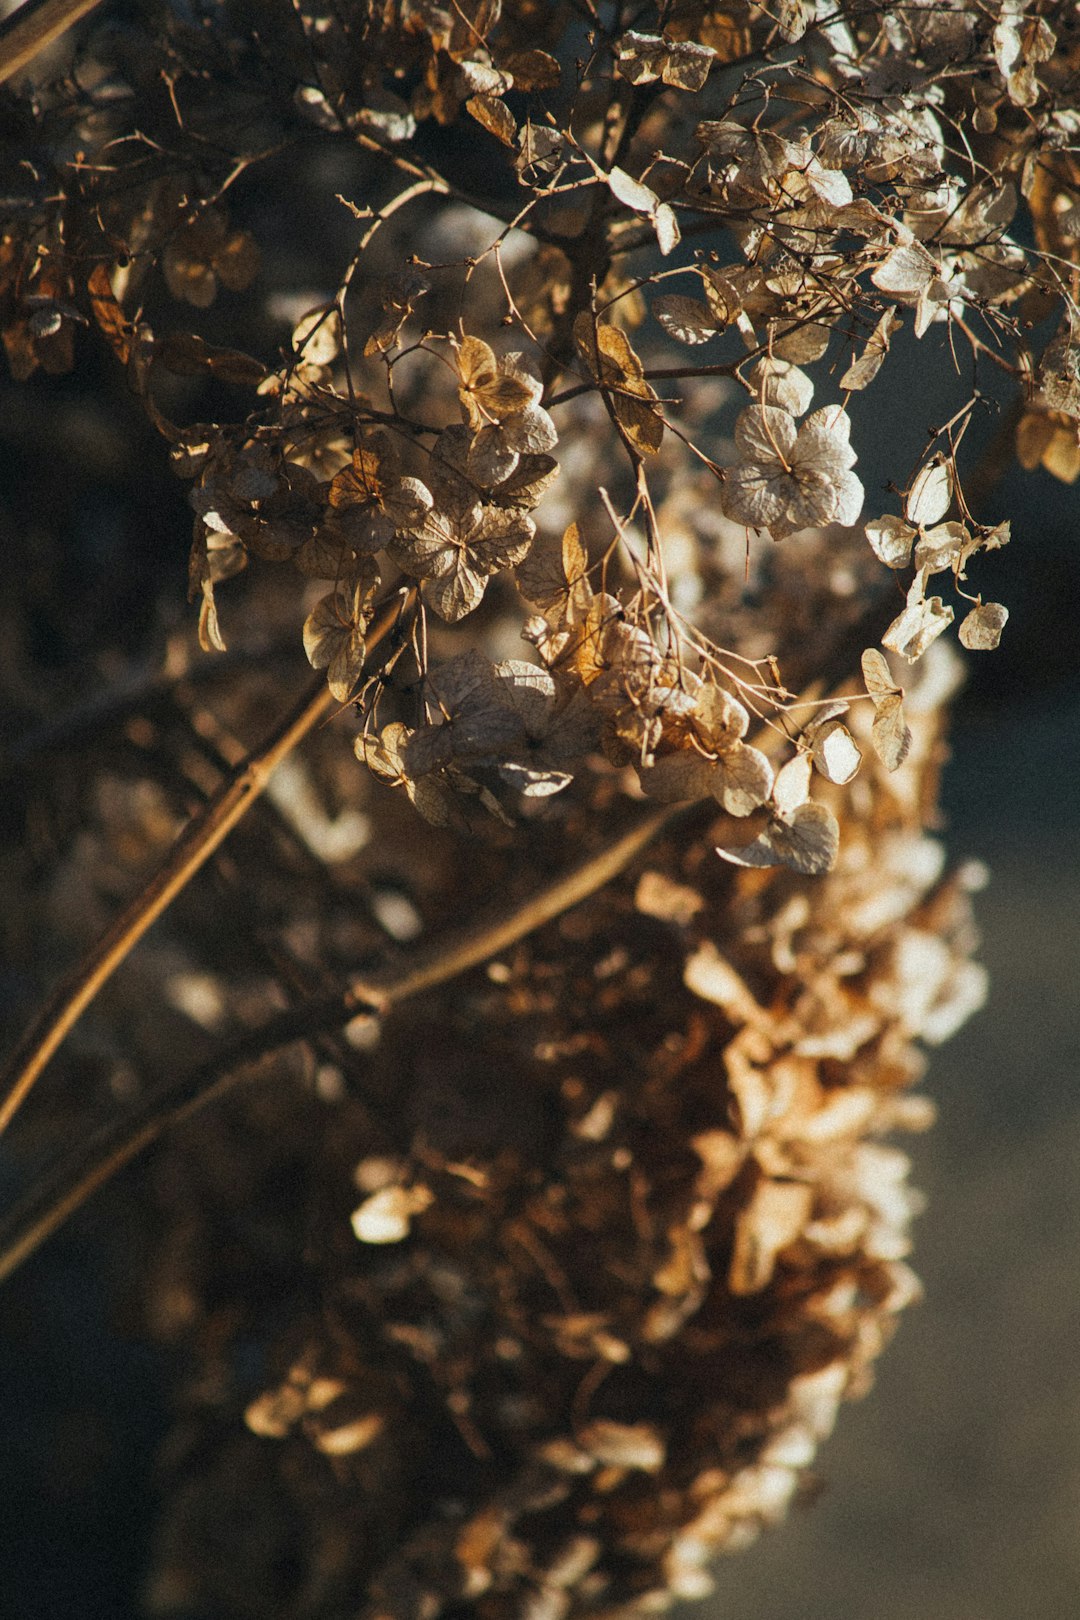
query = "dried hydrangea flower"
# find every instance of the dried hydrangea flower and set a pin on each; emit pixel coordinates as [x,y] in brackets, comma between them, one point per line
[789,477]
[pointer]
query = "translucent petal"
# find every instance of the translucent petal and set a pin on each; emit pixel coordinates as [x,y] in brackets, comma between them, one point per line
[981,630]
[930,495]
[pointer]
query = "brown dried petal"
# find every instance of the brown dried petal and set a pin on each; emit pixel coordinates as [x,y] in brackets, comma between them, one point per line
[385,1217]
[709,975]
[624,1445]
[862,371]
[906,272]
[317,335]
[334,631]
[891,540]
[746,780]
[807,840]
[612,361]
[921,622]
[631,193]
[835,752]
[942,547]
[554,576]
[687,319]
[658,896]
[981,629]
[877,674]
[685,775]
[1058,377]
[931,494]
[495,116]
[889,734]
[488,392]
[773,1219]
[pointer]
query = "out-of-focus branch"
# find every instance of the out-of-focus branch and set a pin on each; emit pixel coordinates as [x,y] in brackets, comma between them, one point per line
[202,836]
[48,1206]
[196,844]
[36,24]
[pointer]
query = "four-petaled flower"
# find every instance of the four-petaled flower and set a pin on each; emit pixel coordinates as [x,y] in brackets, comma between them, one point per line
[790,478]
[457,549]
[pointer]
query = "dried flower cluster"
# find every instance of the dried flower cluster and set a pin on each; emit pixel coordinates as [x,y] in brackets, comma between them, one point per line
[811,184]
[576,1321]
[559,460]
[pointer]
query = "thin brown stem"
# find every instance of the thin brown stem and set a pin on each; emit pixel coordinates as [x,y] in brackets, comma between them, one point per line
[33,26]
[200,838]
[48,1206]
[195,845]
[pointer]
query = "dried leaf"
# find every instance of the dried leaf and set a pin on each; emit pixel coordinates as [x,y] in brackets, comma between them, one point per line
[921,622]
[981,630]
[930,496]
[610,358]
[687,319]
[835,752]
[495,116]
